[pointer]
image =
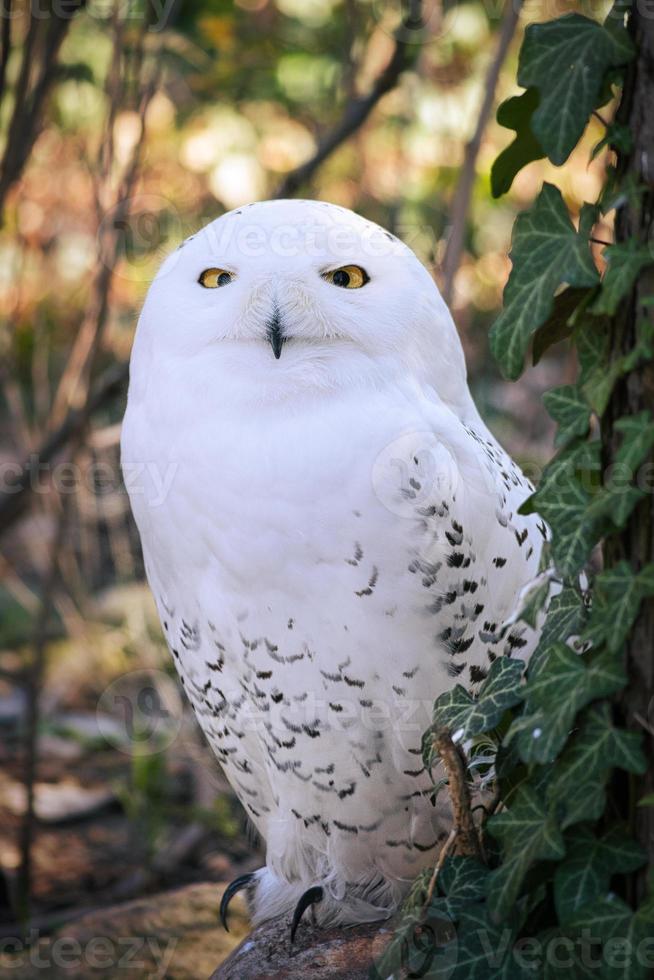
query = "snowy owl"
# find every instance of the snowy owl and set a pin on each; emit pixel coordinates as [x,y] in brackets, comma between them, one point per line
[338,541]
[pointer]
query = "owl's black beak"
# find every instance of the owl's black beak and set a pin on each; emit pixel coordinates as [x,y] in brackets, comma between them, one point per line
[275,334]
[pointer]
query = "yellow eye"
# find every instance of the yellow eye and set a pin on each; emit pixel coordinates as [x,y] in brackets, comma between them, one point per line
[347,277]
[212,278]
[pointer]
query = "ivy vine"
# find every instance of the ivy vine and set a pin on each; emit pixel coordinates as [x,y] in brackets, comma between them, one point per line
[541,902]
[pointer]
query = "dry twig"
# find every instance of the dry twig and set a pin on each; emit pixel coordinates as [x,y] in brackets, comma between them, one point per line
[467,838]
[463,195]
[444,851]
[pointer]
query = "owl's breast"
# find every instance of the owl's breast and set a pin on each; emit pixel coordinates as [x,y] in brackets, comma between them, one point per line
[354,524]
[261,493]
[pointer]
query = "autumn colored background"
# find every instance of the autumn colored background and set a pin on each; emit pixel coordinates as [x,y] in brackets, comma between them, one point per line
[156,121]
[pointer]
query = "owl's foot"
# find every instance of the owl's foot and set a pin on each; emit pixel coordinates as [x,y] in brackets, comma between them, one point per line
[311,897]
[235,886]
[269,896]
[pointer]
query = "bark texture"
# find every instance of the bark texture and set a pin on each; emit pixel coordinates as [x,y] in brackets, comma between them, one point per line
[634,394]
[321,954]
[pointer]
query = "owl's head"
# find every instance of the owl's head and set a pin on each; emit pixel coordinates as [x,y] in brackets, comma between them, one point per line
[283,296]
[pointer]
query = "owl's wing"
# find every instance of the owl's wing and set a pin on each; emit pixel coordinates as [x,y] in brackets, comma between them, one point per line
[476,552]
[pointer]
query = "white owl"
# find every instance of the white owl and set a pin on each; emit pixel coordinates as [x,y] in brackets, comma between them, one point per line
[339,541]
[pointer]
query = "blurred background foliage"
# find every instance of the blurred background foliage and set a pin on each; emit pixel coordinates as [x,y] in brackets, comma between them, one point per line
[240,94]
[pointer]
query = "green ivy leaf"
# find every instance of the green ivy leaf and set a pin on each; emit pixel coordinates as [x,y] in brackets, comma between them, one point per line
[568,407]
[528,832]
[483,946]
[533,600]
[611,918]
[451,709]
[620,853]
[625,262]
[574,461]
[540,735]
[502,689]
[566,617]
[561,321]
[579,779]
[637,440]
[590,862]
[615,504]
[510,773]
[617,498]
[515,113]
[400,949]
[547,251]
[566,60]
[606,918]
[597,373]
[634,966]
[576,883]
[604,674]
[567,964]
[575,530]
[618,595]
[563,685]
[563,669]
[463,878]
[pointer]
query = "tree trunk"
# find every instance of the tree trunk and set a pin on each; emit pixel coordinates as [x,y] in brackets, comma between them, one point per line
[319,954]
[634,394]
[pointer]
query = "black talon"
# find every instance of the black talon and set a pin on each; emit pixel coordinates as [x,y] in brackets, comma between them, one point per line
[235,886]
[311,897]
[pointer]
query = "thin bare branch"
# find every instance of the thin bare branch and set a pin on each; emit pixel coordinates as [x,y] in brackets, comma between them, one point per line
[5,42]
[87,343]
[358,109]
[12,502]
[442,854]
[36,76]
[463,194]
[34,678]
